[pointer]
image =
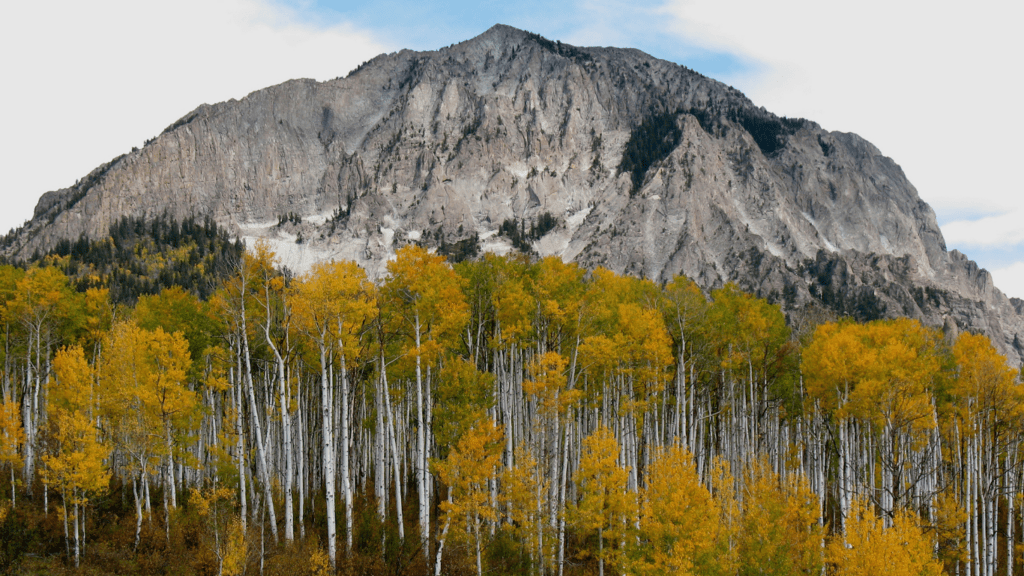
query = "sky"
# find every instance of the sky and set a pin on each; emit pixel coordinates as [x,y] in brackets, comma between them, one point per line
[933,85]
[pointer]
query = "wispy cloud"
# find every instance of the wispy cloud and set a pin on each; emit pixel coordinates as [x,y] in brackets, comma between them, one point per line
[1004,230]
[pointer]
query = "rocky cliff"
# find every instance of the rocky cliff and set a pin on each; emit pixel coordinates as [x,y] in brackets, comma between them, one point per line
[604,156]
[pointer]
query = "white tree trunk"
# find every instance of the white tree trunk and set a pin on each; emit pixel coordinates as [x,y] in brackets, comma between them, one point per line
[326,406]
[346,486]
[254,417]
[395,455]
[421,451]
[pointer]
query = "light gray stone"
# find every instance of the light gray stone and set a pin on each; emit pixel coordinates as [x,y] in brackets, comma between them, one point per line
[414,146]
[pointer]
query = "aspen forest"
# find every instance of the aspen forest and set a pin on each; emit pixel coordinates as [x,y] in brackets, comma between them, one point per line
[504,415]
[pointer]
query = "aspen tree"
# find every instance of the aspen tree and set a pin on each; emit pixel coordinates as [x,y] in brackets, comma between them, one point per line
[514,310]
[780,531]
[99,314]
[332,303]
[987,409]
[462,398]
[548,387]
[175,310]
[12,437]
[685,308]
[605,506]
[146,399]
[831,365]
[275,319]
[523,490]
[238,302]
[894,397]
[868,548]
[679,529]
[751,342]
[561,321]
[76,466]
[42,303]
[426,294]
[878,379]
[467,472]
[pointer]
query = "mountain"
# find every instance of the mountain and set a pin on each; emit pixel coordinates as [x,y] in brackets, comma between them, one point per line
[604,156]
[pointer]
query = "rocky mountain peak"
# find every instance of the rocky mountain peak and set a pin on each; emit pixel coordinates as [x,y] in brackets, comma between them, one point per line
[510,141]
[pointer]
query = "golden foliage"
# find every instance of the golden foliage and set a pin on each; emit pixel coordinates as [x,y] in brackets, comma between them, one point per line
[467,471]
[76,465]
[320,563]
[605,506]
[12,434]
[235,550]
[680,527]
[870,549]
[780,529]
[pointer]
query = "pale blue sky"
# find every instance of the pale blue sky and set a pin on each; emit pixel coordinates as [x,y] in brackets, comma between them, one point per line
[428,26]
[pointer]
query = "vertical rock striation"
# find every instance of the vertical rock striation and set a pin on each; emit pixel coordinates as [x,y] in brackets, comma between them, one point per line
[647,168]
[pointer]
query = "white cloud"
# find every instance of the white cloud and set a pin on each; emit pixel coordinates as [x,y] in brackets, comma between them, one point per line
[85,81]
[932,85]
[1011,276]
[1005,229]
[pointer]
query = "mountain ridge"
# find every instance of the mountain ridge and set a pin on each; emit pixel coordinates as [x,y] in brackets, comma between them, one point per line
[647,167]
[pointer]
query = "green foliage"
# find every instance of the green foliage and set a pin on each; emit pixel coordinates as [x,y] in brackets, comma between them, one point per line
[141,257]
[578,55]
[649,143]
[461,396]
[176,310]
[289,218]
[16,537]
[465,249]
[836,289]
[515,230]
[768,130]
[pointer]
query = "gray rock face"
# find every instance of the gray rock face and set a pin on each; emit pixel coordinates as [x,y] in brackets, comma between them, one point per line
[649,168]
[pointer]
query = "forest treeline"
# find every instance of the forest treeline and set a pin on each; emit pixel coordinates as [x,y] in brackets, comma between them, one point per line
[142,256]
[501,415]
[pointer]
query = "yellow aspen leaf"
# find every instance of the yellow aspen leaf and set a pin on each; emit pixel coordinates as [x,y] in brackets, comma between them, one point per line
[869,549]
[679,529]
[605,506]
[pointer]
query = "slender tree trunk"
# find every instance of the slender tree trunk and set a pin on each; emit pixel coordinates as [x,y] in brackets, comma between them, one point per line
[479,564]
[170,464]
[138,512]
[381,447]
[286,437]
[261,451]
[346,485]
[67,537]
[441,540]
[1010,495]
[303,465]
[421,452]
[326,406]
[236,396]
[28,419]
[395,455]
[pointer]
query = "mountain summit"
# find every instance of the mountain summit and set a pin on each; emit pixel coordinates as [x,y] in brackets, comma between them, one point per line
[605,156]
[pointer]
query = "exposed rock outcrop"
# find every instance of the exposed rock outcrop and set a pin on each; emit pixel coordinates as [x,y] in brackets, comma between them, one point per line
[648,168]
